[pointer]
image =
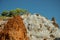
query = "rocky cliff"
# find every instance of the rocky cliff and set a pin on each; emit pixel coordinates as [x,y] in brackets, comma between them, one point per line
[29,27]
[14,29]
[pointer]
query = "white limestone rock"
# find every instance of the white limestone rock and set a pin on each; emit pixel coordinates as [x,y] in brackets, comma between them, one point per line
[40,28]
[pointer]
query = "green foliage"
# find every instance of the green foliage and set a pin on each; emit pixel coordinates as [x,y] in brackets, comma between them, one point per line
[14,12]
[4,13]
[21,11]
[11,13]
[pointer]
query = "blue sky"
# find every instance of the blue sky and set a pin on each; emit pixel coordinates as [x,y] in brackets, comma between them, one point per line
[47,8]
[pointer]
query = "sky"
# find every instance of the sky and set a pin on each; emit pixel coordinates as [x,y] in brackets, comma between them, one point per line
[47,8]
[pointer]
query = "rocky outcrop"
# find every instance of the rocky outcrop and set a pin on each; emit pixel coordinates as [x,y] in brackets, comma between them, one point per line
[40,28]
[54,22]
[29,27]
[14,29]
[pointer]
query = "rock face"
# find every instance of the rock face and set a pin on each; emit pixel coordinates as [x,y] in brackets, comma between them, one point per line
[29,27]
[14,29]
[40,28]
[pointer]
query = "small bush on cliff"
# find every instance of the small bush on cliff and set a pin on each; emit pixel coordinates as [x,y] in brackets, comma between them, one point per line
[14,12]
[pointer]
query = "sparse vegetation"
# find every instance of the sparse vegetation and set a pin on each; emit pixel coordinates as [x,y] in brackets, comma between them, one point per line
[11,13]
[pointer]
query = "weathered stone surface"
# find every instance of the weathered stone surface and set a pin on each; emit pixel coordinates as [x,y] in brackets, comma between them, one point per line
[40,28]
[15,29]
